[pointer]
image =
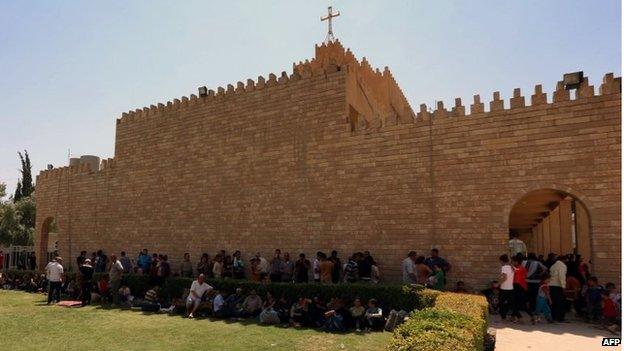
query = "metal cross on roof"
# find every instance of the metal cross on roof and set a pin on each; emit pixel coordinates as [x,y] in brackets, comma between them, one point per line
[328,18]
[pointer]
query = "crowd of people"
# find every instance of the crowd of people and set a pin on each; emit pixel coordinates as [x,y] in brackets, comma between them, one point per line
[550,288]
[541,287]
[323,268]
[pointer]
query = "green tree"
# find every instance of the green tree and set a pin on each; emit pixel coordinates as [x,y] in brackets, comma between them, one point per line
[17,222]
[2,191]
[25,185]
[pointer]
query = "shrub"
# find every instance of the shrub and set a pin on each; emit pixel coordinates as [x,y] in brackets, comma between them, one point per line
[449,322]
[390,296]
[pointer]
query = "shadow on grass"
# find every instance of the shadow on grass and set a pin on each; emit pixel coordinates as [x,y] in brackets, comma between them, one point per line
[241,321]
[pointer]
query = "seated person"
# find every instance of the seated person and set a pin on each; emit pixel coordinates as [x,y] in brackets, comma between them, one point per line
[233,304]
[125,296]
[218,304]
[357,314]
[198,288]
[269,315]
[102,288]
[252,306]
[283,309]
[299,313]
[317,311]
[460,287]
[492,295]
[374,316]
[335,319]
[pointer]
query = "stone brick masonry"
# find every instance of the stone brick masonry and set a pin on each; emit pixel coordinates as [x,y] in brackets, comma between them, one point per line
[333,157]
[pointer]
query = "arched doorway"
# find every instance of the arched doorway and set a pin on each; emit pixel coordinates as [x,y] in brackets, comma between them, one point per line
[552,221]
[48,242]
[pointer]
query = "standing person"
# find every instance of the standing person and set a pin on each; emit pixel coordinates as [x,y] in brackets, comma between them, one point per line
[409,269]
[520,288]
[54,275]
[316,271]
[1,260]
[144,261]
[535,270]
[238,266]
[301,269]
[287,269]
[276,267]
[217,266]
[203,266]
[516,246]
[543,302]
[337,270]
[100,262]
[186,267]
[350,272]
[126,262]
[163,269]
[365,267]
[325,269]
[198,289]
[263,264]
[557,285]
[422,270]
[80,259]
[506,285]
[114,276]
[86,271]
[435,259]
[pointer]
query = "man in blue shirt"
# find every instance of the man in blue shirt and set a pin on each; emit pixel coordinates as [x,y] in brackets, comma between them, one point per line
[144,261]
[436,260]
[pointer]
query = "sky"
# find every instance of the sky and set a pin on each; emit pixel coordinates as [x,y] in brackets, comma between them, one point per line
[68,69]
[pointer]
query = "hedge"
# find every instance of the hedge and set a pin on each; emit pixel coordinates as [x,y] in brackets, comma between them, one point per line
[450,322]
[390,296]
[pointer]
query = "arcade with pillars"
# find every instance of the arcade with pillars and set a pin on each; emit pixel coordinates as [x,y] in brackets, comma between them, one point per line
[552,221]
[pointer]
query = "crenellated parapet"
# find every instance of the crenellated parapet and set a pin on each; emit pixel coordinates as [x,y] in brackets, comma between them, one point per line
[374,97]
[610,85]
[105,165]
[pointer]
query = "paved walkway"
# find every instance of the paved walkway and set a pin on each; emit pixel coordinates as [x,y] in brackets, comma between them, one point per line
[574,336]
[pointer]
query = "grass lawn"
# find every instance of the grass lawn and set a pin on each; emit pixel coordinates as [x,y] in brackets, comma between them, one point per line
[26,323]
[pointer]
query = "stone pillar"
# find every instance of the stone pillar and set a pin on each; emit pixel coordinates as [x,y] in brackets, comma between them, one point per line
[583,245]
[540,239]
[555,231]
[546,233]
[565,223]
[534,240]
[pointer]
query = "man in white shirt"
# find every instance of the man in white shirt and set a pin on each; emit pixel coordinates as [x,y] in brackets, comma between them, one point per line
[506,286]
[54,274]
[114,277]
[408,267]
[263,264]
[198,289]
[557,285]
[516,245]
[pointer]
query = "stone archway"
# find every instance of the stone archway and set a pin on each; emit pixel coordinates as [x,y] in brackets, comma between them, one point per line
[47,236]
[552,221]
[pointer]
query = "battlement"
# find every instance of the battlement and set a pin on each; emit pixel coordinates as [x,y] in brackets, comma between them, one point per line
[230,91]
[610,85]
[84,168]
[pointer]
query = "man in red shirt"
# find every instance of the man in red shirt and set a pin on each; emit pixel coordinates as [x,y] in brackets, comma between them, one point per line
[520,289]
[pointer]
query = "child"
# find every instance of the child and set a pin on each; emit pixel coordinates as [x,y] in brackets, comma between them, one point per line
[543,300]
[460,287]
[492,296]
[357,312]
[593,299]
[609,312]
[374,316]
[437,279]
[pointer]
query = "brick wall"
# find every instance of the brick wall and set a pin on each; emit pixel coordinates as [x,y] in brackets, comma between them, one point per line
[279,164]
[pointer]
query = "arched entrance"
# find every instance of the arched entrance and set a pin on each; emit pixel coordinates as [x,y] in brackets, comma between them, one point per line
[552,221]
[48,242]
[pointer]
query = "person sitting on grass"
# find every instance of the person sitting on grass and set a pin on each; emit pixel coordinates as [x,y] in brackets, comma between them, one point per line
[269,315]
[125,296]
[103,289]
[336,318]
[317,311]
[252,306]
[198,289]
[460,287]
[218,304]
[283,309]
[357,314]
[374,316]
[299,313]
[233,305]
